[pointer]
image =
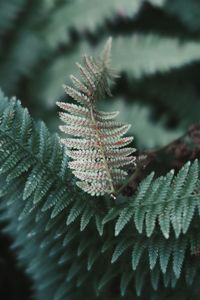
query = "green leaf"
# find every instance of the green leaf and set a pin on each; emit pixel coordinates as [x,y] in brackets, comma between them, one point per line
[124,217]
[121,247]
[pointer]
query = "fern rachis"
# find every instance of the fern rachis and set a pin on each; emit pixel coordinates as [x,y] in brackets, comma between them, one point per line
[97,150]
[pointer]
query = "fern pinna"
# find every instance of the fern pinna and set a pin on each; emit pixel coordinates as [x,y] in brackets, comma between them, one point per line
[97,150]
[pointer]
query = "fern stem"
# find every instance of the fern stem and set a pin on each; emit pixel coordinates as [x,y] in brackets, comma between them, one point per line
[102,153]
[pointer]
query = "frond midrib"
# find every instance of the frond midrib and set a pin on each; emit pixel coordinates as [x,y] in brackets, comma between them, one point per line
[102,151]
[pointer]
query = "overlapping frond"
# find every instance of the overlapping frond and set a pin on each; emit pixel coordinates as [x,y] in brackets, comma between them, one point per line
[59,235]
[133,55]
[157,259]
[86,15]
[97,145]
[170,200]
[40,203]
[62,237]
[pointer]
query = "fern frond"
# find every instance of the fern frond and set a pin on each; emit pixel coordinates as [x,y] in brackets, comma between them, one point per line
[185,12]
[97,149]
[86,15]
[35,191]
[148,133]
[50,231]
[134,55]
[170,200]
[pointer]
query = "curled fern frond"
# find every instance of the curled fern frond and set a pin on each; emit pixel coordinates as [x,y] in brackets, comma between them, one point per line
[97,142]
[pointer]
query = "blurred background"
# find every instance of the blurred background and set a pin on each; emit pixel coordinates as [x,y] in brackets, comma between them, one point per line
[156,50]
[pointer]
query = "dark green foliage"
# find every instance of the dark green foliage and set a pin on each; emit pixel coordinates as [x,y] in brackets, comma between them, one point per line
[58,231]
[170,199]
[71,245]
